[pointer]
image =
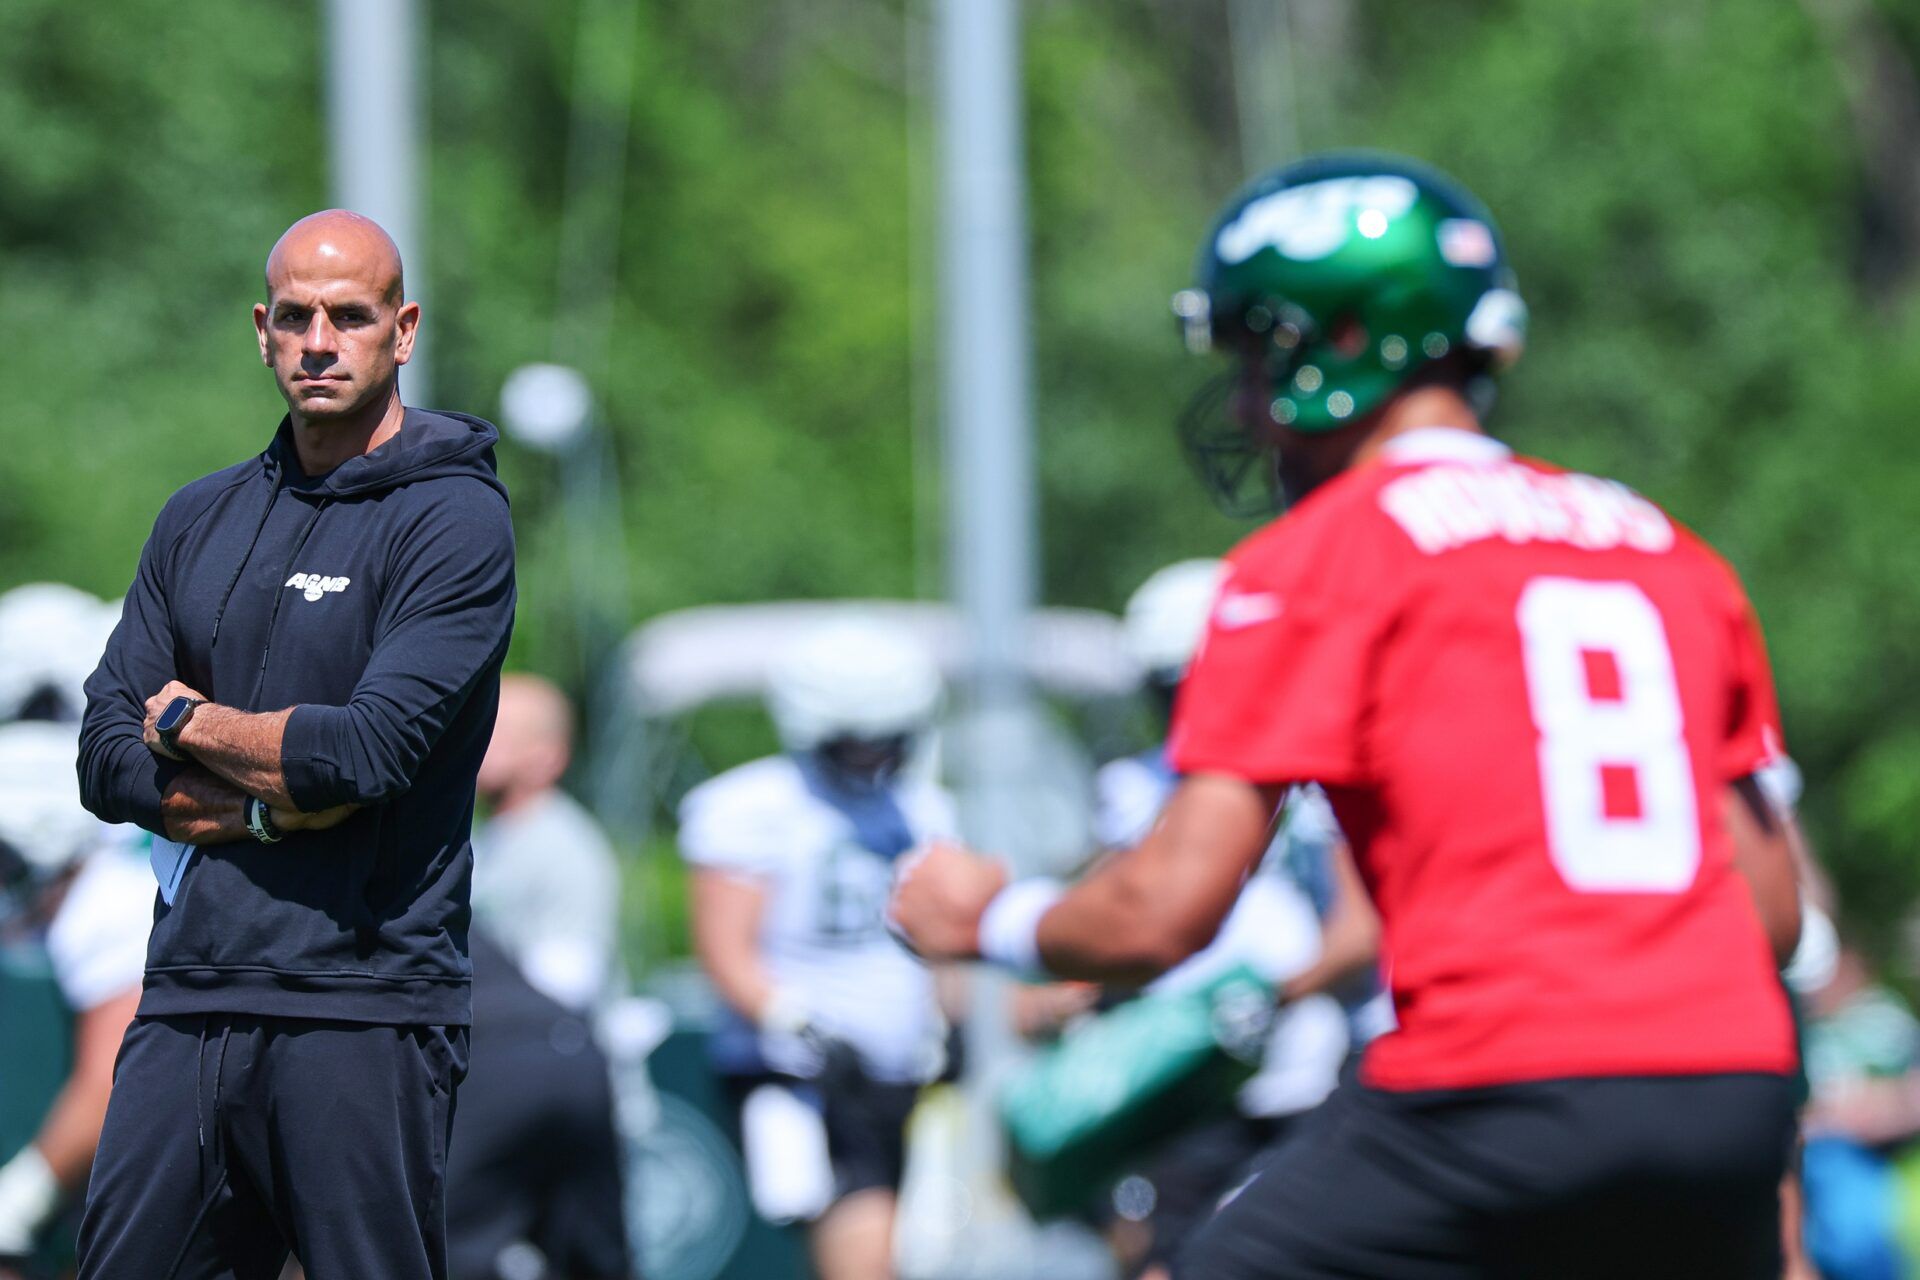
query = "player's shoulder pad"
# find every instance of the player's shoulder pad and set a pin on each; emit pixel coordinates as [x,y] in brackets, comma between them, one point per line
[771,785]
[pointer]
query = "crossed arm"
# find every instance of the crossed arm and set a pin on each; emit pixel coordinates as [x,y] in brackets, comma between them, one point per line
[232,755]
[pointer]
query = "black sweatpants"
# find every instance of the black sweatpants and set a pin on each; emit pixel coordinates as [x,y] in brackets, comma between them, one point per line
[1559,1180]
[232,1140]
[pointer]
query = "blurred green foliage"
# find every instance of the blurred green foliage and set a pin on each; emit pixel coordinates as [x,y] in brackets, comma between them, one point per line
[1685,190]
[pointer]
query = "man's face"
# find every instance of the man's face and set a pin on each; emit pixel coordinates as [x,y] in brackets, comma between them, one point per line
[335,332]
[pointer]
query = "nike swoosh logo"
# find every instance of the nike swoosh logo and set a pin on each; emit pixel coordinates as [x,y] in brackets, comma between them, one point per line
[1240,609]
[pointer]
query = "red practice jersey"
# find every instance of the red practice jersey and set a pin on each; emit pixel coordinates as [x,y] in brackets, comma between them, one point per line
[1525,691]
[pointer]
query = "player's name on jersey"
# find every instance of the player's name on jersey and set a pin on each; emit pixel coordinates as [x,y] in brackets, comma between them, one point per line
[1448,506]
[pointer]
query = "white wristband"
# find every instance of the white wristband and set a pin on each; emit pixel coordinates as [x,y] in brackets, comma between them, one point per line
[29,1194]
[1010,926]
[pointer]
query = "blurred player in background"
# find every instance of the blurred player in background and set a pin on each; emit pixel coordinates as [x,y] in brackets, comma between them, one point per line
[1165,621]
[51,635]
[1537,707]
[546,885]
[834,1026]
[69,887]
[1302,921]
[533,1176]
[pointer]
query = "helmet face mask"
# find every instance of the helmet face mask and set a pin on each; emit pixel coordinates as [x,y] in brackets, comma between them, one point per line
[1335,283]
[1236,460]
[866,762]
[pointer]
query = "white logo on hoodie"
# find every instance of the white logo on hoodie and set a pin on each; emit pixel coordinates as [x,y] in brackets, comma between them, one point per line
[315,585]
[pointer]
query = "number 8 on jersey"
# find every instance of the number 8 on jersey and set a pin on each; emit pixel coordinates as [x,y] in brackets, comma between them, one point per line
[1616,778]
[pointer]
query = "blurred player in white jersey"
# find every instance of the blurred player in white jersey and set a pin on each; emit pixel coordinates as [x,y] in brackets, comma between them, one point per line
[833,1026]
[51,636]
[69,887]
[1302,921]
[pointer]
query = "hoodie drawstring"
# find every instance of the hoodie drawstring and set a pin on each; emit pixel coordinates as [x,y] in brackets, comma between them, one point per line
[273,615]
[200,1095]
[208,1197]
[273,496]
[219,1072]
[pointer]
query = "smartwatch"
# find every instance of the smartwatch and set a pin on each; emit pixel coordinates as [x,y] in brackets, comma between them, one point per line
[260,821]
[167,728]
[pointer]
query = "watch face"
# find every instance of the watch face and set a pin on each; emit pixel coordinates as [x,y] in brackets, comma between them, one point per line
[174,716]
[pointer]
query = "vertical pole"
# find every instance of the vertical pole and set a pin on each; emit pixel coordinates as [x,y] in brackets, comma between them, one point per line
[986,409]
[986,389]
[374,83]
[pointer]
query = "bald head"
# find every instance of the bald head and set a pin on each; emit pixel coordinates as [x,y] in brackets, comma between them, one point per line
[532,741]
[535,707]
[335,327]
[341,244]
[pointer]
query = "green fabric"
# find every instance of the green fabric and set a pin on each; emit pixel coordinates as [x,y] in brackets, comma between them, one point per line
[1906,1221]
[1873,1035]
[36,1053]
[1117,1085]
[37,1030]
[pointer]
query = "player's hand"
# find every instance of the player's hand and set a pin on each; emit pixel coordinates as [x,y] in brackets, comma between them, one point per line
[938,899]
[1044,1009]
[294,820]
[158,703]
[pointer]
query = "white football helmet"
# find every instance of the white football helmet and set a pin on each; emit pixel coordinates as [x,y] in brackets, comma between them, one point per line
[42,821]
[858,678]
[1167,616]
[51,638]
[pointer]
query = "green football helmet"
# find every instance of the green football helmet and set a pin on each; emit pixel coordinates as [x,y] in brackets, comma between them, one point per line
[1340,278]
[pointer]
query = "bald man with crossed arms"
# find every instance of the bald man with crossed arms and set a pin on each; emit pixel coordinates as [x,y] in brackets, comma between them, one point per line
[295,703]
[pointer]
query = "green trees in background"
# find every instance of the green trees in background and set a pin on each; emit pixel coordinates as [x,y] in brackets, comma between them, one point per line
[1703,215]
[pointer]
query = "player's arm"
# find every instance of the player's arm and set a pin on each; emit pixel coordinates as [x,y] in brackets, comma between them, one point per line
[1349,937]
[55,1164]
[71,1131]
[727,910]
[1764,854]
[1137,915]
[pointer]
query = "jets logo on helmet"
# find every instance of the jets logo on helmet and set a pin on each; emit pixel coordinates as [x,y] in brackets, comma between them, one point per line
[1337,282]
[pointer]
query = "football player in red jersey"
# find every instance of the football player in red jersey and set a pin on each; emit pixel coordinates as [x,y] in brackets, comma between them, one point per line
[1537,705]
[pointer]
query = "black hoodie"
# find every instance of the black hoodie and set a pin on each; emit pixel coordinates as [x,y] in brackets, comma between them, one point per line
[376,601]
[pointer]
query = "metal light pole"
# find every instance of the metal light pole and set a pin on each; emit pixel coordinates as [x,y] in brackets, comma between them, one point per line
[986,412]
[374,81]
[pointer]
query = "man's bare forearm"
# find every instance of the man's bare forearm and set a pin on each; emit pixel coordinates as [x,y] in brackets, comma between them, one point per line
[1148,908]
[243,747]
[200,808]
